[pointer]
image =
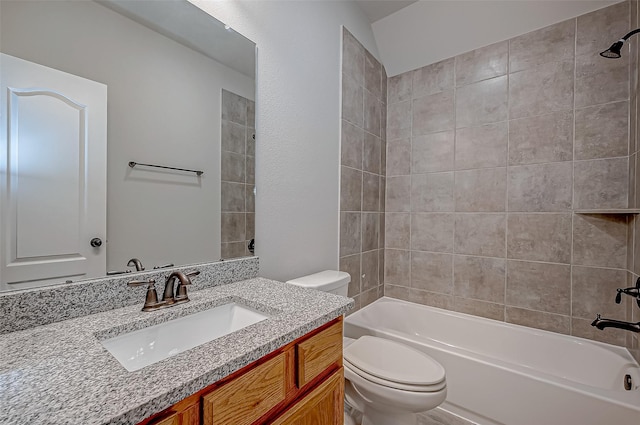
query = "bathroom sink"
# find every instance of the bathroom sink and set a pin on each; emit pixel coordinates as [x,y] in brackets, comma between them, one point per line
[137,349]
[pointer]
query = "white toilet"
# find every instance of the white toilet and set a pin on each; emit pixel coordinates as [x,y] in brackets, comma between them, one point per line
[386,381]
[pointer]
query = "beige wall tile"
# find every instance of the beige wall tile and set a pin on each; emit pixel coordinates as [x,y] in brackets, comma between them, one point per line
[352,57]
[399,88]
[479,278]
[483,102]
[594,291]
[600,240]
[350,233]
[371,153]
[233,137]
[370,230]
[234,107]
[233,227]
[592,70]
[351,265]
[582,328]
[481,147]
[602,131]
[250,169]
[351,149]
[541,90]
[370,192]
[398,230]
[372,75]
[539,286]
[397,292]
[539,320]
[481,64]
[432,272]
[596,31]
[549,44]
[233,167]
[369,270]
[601,183]
[232,249]
[399,157]
[432,232]
[350,189]
[543,187]
[433,78]
[480,234]
[250,197]
[381,235]
[433,113]
[479,308]
[539,237]
[432,152]
[432,192]
[232,197]
[250,227]
[399,120]
[539,139]
[481,190]
[432,299]
[352,101]
[368,297]
[372,113]
[397,267]
[398,194]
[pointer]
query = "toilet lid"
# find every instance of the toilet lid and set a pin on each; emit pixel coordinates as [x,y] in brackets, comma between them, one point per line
[394,362]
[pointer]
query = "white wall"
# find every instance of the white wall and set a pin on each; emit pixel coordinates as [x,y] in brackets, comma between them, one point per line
[297,125]
[163,107]
[429,31]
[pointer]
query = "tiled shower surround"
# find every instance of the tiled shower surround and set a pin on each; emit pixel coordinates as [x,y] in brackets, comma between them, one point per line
[364,98]
[237,175]
[490,154]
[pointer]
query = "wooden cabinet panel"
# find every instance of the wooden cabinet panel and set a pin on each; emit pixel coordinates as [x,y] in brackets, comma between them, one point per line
[322,406]
[319,352]
[171,419]
[247,397]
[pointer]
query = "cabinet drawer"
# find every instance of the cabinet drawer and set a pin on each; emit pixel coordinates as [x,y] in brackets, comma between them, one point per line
[319,352]
[246,398]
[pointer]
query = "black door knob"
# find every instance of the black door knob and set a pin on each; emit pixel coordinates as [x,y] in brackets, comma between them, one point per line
[96,242]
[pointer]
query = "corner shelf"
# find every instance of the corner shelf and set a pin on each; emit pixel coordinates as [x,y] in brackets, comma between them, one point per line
[628,211]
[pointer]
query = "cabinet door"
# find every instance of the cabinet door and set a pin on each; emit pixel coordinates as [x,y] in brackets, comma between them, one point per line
[246,398]
[322,406]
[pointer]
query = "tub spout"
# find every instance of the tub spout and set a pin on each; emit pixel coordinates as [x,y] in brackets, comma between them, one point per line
[610,323]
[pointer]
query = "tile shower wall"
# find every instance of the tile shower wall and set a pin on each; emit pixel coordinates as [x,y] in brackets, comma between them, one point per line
[490,154]
[362,182]
[237,175]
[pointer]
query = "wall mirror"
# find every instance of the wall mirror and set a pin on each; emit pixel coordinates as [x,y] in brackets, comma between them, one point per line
[170,86]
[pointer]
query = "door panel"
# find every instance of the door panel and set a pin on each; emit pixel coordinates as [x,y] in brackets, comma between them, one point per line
[53,175]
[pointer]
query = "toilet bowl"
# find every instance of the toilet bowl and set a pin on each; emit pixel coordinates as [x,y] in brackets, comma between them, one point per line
[386,382]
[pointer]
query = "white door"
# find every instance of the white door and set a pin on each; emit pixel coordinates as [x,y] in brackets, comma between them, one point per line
[53,154]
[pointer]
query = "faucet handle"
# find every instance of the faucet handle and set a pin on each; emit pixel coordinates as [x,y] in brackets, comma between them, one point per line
[181,290]
[151,299]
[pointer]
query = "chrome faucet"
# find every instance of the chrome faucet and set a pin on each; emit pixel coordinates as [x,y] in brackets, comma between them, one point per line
[134,262]
[180,295]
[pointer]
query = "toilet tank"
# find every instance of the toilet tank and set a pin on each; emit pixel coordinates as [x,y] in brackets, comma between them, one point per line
[331,281]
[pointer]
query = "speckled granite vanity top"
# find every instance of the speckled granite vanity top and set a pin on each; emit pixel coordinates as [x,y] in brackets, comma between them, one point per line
[60,373]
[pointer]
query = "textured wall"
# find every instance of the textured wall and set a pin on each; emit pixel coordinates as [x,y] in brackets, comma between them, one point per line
[490,153]
[362,165]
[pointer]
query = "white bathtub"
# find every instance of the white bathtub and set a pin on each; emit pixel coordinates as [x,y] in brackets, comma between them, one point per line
[498,373]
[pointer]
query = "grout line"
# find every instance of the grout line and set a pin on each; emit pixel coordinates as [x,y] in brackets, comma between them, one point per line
[573,167]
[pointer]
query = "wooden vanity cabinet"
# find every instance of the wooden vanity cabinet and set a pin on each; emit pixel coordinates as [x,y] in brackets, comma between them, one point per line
[301,383]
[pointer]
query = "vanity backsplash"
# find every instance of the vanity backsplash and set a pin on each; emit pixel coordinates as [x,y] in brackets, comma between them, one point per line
[35,307]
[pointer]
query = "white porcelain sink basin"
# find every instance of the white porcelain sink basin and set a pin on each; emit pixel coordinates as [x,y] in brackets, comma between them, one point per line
[137,349]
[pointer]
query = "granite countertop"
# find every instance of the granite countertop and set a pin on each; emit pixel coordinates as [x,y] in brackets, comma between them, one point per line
[60,373]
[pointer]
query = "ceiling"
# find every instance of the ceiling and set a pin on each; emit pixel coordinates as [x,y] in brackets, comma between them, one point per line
[378,9]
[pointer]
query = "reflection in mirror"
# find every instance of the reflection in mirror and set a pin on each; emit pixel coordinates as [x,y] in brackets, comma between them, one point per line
[165,68]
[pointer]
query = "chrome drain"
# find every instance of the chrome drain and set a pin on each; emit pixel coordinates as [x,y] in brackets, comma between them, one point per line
[628,382]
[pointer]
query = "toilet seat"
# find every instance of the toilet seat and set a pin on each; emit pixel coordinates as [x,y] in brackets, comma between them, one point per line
[408,370]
